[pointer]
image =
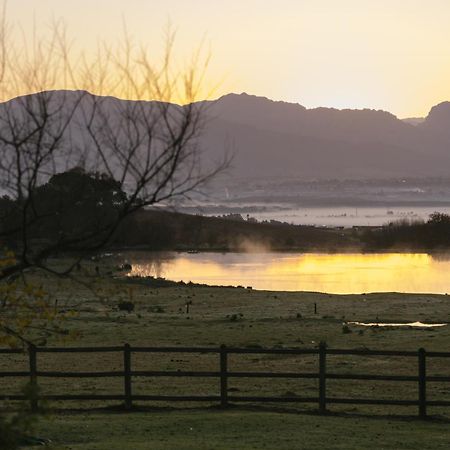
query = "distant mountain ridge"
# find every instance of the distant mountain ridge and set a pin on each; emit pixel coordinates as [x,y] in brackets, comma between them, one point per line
[284,139]
[278,139]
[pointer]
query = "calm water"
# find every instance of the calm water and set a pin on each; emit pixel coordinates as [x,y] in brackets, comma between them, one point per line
[333,273]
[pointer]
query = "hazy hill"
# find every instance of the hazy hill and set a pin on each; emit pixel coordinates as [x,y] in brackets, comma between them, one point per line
[278,138]
[438,120]
[275,139]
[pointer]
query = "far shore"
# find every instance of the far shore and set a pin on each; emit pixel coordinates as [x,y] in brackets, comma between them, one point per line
[163,230]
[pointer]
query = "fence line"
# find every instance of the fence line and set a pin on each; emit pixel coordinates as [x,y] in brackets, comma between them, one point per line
[224,374]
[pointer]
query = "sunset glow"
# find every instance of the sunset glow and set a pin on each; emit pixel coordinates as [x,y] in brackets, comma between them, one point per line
[391,55]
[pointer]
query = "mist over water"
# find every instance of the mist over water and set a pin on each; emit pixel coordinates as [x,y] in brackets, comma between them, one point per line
[341,273]
[347,216]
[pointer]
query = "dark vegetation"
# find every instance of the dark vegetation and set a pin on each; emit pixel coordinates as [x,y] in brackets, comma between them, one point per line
[76,210]
[433,235]
[163,230]
[73,210]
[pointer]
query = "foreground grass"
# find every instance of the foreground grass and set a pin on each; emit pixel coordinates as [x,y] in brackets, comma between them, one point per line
[241,430]
[247,318]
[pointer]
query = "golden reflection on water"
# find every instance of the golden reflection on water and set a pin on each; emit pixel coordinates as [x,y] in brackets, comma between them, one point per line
[334,273]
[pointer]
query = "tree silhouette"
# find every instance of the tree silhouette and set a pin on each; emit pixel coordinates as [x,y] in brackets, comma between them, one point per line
[146,147]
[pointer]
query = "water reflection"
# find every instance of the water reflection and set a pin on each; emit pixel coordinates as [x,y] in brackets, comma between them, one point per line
[409,324]
[149,263]
[333,273]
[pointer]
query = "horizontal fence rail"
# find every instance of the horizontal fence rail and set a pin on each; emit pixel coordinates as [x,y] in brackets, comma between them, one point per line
[223,375]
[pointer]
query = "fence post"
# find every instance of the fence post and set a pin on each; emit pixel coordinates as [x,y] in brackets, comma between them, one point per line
[322,377]
[127,375]
[33,378]
[422,384]
[223,376]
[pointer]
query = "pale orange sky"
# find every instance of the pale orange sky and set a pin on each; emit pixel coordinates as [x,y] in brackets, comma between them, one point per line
[384,54]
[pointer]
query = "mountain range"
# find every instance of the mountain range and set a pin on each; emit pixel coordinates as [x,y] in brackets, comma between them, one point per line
[273,139]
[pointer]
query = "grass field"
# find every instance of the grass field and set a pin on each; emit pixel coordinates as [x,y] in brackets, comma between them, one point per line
[245,318]
[241,429]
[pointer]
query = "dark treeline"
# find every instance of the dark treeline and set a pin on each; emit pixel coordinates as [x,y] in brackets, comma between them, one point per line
[74,207]
[162,230]
[427,236]
[82,209]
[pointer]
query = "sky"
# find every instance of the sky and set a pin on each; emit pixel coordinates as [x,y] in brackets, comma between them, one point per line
[381,54]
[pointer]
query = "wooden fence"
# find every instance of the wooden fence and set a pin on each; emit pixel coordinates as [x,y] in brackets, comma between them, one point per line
[224,374]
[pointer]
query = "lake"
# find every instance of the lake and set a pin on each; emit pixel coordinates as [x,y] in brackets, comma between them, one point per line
[340,273]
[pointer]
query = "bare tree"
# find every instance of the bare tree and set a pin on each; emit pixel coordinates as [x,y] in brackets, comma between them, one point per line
[145,146]
[75,161]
